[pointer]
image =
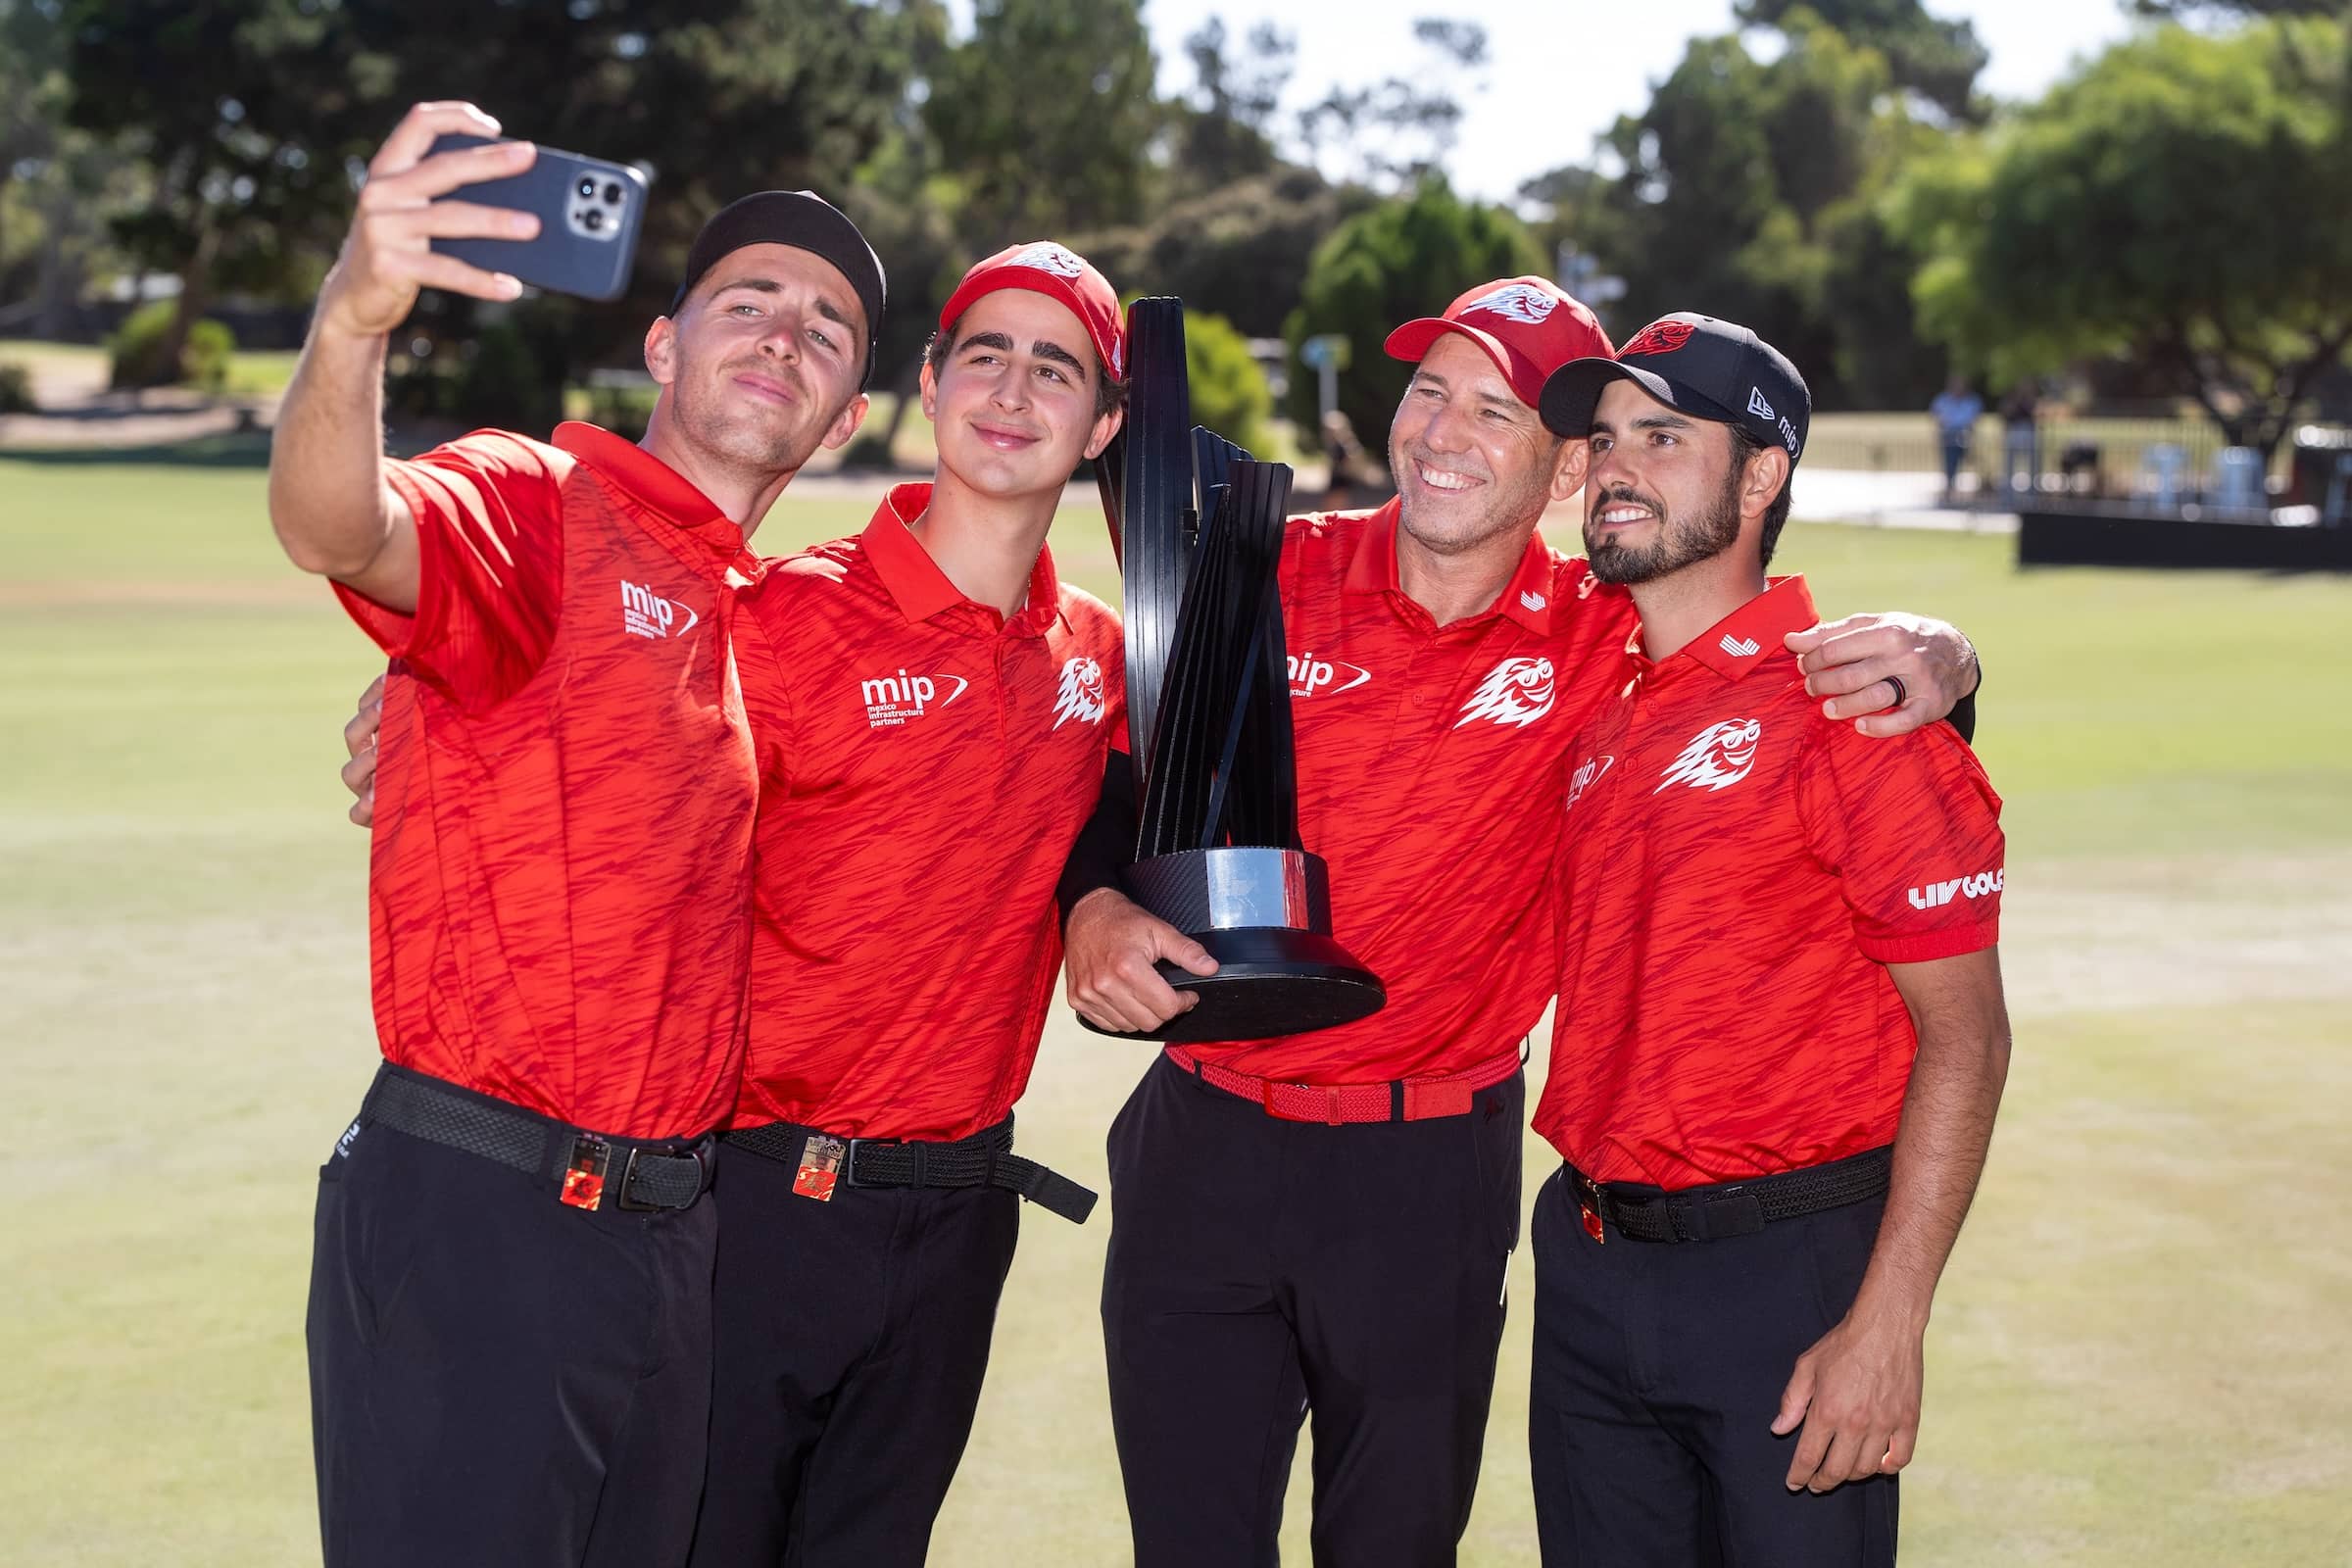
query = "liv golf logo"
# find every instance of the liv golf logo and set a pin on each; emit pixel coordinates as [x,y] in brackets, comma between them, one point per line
[1936,893]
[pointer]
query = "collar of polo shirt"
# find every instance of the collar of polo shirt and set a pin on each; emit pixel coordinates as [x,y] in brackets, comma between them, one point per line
[921,590]
[1524,599]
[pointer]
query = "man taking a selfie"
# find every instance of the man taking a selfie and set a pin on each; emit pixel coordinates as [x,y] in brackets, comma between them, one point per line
[509,1319]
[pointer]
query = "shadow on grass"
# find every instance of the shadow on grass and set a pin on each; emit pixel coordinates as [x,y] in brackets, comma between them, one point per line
[226,450]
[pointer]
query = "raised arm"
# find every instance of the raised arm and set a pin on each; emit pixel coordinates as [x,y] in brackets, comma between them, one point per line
[1858,1391]
[329,501]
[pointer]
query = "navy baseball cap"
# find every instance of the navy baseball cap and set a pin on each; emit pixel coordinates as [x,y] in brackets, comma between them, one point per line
[806,221]
[1714,370]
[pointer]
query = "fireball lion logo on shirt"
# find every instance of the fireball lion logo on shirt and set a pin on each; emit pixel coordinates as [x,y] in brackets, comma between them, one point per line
[1517,691]
[1717,758]
[1081,695]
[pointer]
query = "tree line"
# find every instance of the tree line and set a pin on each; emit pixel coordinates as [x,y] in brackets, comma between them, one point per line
[2169,219]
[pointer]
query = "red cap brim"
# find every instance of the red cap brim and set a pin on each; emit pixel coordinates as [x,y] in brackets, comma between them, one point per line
[1413,340]
[1102,329]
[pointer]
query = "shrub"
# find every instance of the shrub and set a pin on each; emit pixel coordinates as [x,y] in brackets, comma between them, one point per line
[1229,388]
[136,351]
[16,390]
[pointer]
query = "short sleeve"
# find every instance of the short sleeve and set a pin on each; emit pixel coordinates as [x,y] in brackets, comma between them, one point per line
[1911,828]
[490,566]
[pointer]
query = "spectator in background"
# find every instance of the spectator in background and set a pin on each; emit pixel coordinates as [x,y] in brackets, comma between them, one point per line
[1956,411]
[2021,442]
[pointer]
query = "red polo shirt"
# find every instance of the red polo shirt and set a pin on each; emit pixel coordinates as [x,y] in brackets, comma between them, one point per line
[927,765]
[1427,757]
[564,801]
[1736,873]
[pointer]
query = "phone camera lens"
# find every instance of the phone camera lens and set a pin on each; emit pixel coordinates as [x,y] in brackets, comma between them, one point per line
[588,187]
[611,193]
[593,218]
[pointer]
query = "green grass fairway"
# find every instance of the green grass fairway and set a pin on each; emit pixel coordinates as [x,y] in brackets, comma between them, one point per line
[2140,1355]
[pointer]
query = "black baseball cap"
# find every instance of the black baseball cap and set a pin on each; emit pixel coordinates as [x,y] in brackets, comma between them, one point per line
[804,220]
[1715,370]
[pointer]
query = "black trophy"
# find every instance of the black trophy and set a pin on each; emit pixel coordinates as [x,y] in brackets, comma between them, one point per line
[1198,527]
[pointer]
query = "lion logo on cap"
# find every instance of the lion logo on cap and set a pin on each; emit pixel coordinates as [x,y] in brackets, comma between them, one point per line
[1048,257]
[1658,337]
[1517,301]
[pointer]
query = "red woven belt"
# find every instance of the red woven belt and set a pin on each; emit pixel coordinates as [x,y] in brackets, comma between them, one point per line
[1403,1100]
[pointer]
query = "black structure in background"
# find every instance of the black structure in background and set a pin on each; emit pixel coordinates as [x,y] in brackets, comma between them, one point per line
[1198,527]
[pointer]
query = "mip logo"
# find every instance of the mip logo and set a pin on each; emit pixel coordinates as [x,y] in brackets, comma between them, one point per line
[1309,675]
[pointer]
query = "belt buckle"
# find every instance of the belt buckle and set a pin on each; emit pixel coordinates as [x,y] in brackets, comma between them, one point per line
[848,1157]
[1589,1206]
[628,1175]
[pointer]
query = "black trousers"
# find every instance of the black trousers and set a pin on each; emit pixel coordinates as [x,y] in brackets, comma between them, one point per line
[1264,1269]
[851,1340]
[1658,1370]
[497,1379]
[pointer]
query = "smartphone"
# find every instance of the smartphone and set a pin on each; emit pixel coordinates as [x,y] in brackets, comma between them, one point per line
[589,214]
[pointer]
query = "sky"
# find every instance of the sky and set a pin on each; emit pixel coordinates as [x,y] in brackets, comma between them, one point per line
[1562,71]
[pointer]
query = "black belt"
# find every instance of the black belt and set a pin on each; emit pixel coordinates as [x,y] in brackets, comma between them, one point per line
[984,1160]
[1730,1208]
[651,1176]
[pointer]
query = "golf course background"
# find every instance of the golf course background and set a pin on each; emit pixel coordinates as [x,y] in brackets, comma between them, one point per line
[2139,1356]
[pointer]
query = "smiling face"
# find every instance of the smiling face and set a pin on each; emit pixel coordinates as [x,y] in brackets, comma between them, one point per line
[1013,400]
[1472,461]
[760,366]
[1664,492]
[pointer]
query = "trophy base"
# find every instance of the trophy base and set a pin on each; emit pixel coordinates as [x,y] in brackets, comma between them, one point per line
[1270,980]
[1265,915]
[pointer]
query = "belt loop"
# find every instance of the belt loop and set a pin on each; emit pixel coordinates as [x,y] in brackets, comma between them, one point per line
[1397,1100]
[1331,1100]
[918,1150]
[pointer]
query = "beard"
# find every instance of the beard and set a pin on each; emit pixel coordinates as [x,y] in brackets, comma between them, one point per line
[765,438]
[1679,543]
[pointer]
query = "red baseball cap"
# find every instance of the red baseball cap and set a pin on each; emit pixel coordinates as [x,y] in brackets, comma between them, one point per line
[1528,326]
[1059,273]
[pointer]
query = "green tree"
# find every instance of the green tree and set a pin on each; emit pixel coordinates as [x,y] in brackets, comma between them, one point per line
[1405,257]
[1224,128]
[58,184]
[1399,131]
[1726,178]
[1938,59]
[1239,251]
[1228,387]
[1047,114]
[257,115]
[33,99]
[237,105]
[717,98]
[2183,200]
[2203,9]
[1751,188]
